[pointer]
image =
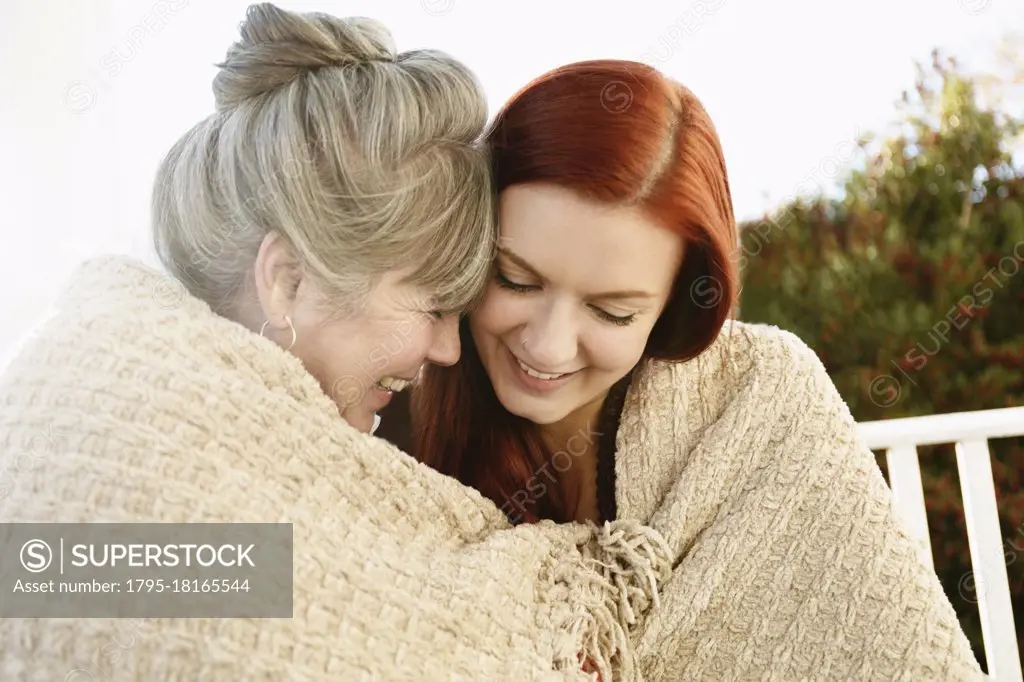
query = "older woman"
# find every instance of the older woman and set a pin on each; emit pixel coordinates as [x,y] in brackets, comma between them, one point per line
[320,232]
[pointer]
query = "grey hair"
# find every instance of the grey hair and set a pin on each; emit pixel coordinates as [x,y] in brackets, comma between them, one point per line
[364,160]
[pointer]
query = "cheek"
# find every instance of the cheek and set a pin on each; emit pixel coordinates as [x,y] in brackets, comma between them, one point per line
[407,344]
[338,357]
[499,312]
[416,346]
[616,350]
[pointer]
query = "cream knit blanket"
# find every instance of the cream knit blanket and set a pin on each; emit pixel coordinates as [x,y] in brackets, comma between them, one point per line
[771,535]
[789,562]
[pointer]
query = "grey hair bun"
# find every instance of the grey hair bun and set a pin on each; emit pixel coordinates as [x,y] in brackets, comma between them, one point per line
[277,46]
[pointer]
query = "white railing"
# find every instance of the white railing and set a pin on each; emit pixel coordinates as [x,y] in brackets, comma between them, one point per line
[970,432]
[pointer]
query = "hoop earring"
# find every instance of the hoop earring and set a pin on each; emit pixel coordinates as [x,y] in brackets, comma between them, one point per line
[290,326]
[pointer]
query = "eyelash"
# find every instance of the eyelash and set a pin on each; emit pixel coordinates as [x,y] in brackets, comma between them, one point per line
[505,283]
[437,315]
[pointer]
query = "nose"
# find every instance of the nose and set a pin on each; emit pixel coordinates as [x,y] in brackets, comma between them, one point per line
[551,338]
[445,347]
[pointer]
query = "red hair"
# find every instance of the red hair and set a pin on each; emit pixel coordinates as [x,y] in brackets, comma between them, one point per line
[620,133]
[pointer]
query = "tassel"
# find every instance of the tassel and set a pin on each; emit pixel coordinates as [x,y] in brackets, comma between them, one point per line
[614,582]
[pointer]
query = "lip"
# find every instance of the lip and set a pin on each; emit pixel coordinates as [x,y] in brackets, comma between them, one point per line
[533,384]
[381,398]
[411,379]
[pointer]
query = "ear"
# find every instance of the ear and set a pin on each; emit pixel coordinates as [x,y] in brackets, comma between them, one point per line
[277,276]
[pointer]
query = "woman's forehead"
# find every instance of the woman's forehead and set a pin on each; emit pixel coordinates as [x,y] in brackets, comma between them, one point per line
[559,235]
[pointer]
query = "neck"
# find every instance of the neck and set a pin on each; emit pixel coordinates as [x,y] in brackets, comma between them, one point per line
[577,432]
[574,443]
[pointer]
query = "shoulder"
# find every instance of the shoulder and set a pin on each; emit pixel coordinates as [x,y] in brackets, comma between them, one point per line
[756,368]
[742,353]
[774,352]
[765,344]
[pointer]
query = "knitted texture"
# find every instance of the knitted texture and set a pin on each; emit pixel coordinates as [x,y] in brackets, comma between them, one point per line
[756,537]
[790,561]
[162,411]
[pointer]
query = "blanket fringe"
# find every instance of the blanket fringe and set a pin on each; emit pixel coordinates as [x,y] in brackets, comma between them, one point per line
[615,582]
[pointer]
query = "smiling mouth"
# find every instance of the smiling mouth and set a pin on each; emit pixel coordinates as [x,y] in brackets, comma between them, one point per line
[394,384]
[543,376]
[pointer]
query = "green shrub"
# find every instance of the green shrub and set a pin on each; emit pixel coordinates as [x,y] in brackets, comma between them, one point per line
[910,287]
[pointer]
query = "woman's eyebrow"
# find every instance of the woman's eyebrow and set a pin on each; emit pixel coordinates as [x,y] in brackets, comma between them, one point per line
[628,293]
[518,260]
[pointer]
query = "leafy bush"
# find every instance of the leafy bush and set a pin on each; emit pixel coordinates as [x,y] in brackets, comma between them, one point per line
[910,287]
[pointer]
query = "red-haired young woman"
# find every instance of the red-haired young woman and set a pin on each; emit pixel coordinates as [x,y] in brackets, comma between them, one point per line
[602,379]
[614,203]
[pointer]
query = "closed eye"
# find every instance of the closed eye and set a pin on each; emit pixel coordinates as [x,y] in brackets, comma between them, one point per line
[505,283]
[621,320]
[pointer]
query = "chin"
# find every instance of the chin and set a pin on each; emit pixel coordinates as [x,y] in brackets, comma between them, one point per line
[359,419]
[528,407]
[545,418]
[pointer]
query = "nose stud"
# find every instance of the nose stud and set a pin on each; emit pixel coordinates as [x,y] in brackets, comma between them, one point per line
[523,342]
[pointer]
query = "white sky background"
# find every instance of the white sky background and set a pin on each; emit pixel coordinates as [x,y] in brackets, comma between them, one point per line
[788,83]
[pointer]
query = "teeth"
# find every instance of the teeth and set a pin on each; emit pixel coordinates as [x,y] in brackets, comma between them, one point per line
[539,375]
[393,384]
